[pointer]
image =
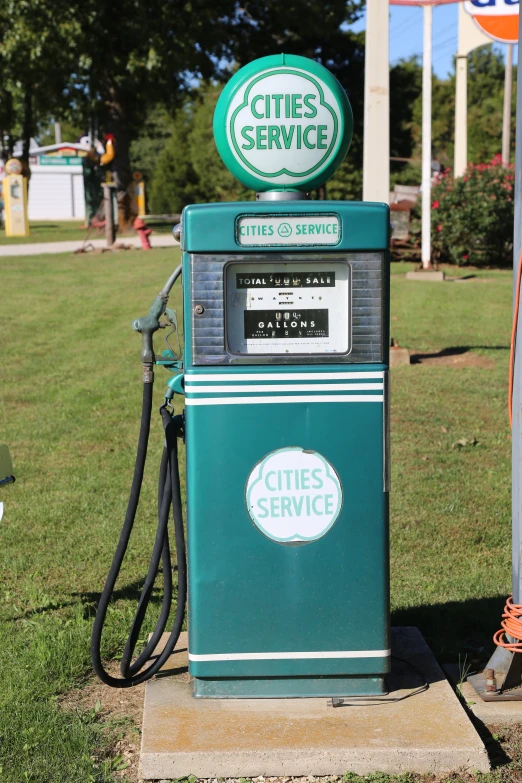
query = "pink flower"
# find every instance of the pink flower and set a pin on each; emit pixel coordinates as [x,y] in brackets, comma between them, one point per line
[435,204]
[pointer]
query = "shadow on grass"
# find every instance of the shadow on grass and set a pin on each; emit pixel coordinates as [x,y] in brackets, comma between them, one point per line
[456,629]
[90,600]
[457,350]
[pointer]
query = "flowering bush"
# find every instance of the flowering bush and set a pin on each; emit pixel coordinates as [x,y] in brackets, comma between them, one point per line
[472,216]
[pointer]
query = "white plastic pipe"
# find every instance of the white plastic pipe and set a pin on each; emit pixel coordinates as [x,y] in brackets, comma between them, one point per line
[376,140]
[461,115]
[508,89]
[426,138]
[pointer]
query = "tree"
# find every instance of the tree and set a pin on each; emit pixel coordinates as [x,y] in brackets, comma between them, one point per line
[151,140]
[37,58]
[115,61]
[174,182]
[485,102]
[189,170]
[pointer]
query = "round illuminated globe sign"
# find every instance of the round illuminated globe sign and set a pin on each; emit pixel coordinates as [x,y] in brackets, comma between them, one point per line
[283,123]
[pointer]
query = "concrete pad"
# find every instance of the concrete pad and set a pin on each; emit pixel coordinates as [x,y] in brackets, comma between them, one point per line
[432,276]
[491,713]
[399,356]
[427,732]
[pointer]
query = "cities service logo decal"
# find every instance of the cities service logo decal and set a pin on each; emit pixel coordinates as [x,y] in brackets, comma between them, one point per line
[284,125]
[294,495]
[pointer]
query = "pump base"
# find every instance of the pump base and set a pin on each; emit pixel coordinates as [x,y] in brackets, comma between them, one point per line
[428,733]
[287,687]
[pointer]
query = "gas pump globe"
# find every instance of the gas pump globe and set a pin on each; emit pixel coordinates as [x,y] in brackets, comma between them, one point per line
[285,384]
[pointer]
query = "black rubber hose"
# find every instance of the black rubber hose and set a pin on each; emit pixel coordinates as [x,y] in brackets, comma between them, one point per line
[169,494]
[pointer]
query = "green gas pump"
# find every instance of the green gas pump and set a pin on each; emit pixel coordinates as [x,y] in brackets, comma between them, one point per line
[285,380]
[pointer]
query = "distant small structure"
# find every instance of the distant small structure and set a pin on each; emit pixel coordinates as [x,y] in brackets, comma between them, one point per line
[56,191]
[402,201]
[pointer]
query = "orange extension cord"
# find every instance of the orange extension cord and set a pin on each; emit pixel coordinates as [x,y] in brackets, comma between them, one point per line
[512,625]
[512,617]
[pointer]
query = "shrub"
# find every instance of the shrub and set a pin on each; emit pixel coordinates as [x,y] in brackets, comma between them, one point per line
[472,216]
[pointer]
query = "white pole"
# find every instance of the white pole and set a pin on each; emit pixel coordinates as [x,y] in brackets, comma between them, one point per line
[376,143]
[461,116]
[506,122]
[517,378]
[57,133]
[426,138]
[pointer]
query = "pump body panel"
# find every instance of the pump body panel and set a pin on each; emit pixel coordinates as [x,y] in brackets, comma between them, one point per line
[286,391]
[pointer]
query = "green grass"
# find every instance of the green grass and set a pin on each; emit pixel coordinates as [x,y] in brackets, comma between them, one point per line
[69,408]
[68,230]
[48,231]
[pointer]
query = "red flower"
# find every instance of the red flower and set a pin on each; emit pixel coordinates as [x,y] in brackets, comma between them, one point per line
[465,256]
[435,204]
[439,228]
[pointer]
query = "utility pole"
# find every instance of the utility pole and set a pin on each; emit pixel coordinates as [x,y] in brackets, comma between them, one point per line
[57,133]
[504,668]
[108,206]
[470,37]
[426,138]
[508,88]
[461,115]
[376,144]
[517,380]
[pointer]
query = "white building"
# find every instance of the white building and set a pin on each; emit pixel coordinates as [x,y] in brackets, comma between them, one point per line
[56,187]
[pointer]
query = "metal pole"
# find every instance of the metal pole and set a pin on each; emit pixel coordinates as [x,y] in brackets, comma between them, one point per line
[426,138]
[57,133]
[461,115]
[376,144]
[517,390]
[505,667]
[508,89]
[108,206]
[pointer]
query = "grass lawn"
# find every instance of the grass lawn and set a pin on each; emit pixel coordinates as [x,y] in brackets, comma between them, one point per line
[70,230]
[48,231]
[70,402]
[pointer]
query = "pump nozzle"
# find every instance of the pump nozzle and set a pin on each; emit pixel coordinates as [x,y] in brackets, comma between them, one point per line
[151,322]
[147,326]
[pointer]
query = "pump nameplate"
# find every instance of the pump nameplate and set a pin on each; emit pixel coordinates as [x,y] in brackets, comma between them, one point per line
[281,230]
[294,496]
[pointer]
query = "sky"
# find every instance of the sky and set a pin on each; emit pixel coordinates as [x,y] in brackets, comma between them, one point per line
[406,35]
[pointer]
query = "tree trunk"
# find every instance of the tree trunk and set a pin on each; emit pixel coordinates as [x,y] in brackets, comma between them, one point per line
[118,125]
[27,125]
[6,125]
[27,132]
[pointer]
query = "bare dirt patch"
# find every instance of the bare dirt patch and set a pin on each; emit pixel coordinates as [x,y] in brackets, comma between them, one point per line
[121,709]
[450,359]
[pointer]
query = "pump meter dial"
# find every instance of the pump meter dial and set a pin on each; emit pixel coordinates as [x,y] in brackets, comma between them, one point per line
[288,309]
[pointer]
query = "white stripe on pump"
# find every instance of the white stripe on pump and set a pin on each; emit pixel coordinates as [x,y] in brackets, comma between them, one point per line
[287,387]
[290,398]
[290,656]
[284,376]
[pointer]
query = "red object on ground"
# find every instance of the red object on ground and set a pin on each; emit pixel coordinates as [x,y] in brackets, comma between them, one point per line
[143,232]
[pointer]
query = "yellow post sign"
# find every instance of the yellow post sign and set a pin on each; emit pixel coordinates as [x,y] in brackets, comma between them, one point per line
[15,200]
[137,189]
